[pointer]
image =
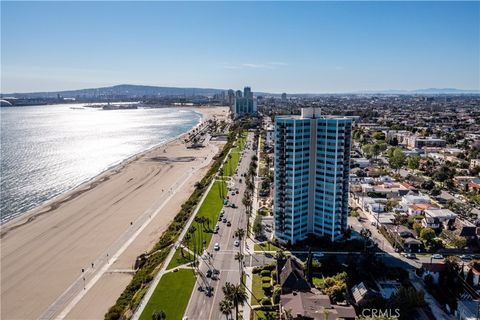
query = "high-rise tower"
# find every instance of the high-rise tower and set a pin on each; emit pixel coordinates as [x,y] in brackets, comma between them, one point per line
[312,165]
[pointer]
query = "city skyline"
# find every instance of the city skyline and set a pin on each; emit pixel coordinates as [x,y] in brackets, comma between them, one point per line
[302,48]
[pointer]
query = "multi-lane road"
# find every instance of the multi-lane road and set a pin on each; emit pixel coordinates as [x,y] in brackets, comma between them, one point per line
[202,306]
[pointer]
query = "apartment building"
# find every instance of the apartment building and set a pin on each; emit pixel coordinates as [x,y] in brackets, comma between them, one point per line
[312,164]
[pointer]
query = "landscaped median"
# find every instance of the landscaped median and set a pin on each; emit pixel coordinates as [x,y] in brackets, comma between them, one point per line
[233,159]
[171,295]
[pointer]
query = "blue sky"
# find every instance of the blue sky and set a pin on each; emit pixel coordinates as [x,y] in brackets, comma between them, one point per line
[272,46]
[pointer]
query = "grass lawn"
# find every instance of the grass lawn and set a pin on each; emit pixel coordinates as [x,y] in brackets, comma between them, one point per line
[232,162]
[171,295]
[178,260]
[210,209]
[257,291]
[242,139]
[265,315]
[265,246]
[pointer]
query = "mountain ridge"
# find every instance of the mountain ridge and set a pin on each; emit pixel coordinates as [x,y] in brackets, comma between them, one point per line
[133,90]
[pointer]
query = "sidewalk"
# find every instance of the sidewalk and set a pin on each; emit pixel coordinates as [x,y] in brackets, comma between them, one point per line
[432,303]
[247,309]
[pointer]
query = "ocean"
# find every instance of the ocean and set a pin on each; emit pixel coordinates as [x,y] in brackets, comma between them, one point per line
[48,150]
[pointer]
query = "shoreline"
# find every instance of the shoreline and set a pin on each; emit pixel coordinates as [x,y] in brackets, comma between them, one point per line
[89,184]
[100,227]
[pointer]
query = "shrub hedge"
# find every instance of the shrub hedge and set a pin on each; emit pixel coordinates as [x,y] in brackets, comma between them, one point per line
[266,272]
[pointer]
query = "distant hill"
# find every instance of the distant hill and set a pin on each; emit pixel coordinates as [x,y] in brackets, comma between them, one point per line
[121,90]
[133,91]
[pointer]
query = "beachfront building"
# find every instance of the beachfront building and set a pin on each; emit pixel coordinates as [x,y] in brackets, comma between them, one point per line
[312,157]
[245,104]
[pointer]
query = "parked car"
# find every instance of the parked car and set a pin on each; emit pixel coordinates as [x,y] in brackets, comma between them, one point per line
[437,256]
[229,224]
[216,246]
[318,255]
[236,243]
[209,273]
[411,255]
[466,257]
[224,220]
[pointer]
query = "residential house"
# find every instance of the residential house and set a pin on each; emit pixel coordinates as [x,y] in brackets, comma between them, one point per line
[418,208]
[445,216]
[474,185]
[290,276]
[433,269]
[362,294]
[306,305]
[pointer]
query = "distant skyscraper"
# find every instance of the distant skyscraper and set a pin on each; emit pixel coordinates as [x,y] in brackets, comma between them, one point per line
[247,93]
[231,97]
[244,105]
[312,164]
[238,93]
[284,97]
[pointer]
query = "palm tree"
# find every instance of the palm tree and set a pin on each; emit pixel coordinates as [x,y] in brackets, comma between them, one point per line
[236,294]
[185,242]
[159,315]
[280,255]
[226,307]
[365,233]
[207,222]
[240,233]
[239,258]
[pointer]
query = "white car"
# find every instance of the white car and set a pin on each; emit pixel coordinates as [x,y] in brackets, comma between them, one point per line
[437,256]
[236,243]
[216,247]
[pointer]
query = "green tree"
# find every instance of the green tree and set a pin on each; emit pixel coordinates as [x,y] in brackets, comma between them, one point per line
[391,204]
[159,315]
[396,158]
[459,242]
[367,150]
[226,307]
[365,233]
[417,227]
[236,294]
[378,135]
[257,226]
[413,162]
[427,234]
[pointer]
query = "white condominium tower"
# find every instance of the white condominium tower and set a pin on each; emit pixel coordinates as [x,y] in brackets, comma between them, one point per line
[312,164]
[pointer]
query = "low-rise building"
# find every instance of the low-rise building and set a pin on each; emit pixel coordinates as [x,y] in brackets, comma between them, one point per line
[313,305]
[432,269]
[474,163]
[444,216]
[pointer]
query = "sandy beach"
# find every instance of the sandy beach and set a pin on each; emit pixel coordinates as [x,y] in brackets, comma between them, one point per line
[100,227]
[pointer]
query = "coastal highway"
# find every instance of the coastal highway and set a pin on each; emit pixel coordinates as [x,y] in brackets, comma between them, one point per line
[200,305]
